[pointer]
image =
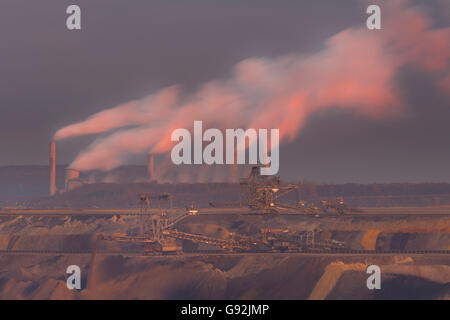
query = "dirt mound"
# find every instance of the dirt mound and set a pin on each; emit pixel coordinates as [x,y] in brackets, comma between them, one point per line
[223,277]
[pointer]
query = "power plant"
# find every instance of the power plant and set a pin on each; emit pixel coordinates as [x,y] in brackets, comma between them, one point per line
[72,179]
[72,176]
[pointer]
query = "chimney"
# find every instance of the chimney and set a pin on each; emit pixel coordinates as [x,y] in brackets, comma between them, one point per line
[52,168]
[151,167]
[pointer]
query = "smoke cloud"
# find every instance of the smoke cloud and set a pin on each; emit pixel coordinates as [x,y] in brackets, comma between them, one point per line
[355,70]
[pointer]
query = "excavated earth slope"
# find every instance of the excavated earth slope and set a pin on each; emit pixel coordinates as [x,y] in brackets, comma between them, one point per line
[251,276]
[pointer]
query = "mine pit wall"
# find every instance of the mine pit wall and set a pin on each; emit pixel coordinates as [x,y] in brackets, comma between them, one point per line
[229,277]
[382,241]
[358,233]
[271,276]
[413,241]
[47,242]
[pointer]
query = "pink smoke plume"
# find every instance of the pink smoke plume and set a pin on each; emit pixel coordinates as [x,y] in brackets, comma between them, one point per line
[355,70]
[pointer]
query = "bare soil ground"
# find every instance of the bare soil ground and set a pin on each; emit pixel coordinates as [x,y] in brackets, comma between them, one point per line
[252,276]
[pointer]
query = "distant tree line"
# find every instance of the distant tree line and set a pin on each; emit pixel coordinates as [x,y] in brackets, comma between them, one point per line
[309,190]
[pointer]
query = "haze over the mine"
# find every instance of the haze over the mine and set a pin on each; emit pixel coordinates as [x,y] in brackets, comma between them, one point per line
[352,105]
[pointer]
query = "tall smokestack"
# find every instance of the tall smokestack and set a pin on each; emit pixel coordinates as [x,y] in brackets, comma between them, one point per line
[151,167]
[52,168]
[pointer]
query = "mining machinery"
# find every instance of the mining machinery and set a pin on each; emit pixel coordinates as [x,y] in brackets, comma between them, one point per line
[283,239]
[306,208]
[261,193]
[165,196]
[338,206]
[144,200]
[160,237]
[193,210]
[144,203]
[158,234]
[326,206]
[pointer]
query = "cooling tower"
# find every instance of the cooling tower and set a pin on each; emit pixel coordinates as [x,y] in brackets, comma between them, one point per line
[72,179]
[52,168]
[72,174]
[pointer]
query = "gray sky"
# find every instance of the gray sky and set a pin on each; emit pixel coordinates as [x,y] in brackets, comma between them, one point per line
[51,77]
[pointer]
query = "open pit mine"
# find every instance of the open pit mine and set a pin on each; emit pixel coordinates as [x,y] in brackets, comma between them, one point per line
[262,245]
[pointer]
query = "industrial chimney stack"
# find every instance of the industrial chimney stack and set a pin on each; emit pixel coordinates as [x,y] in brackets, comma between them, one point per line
[52,168]
[151,167]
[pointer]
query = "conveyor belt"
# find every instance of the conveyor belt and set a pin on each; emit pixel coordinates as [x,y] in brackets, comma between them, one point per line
[365,212]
